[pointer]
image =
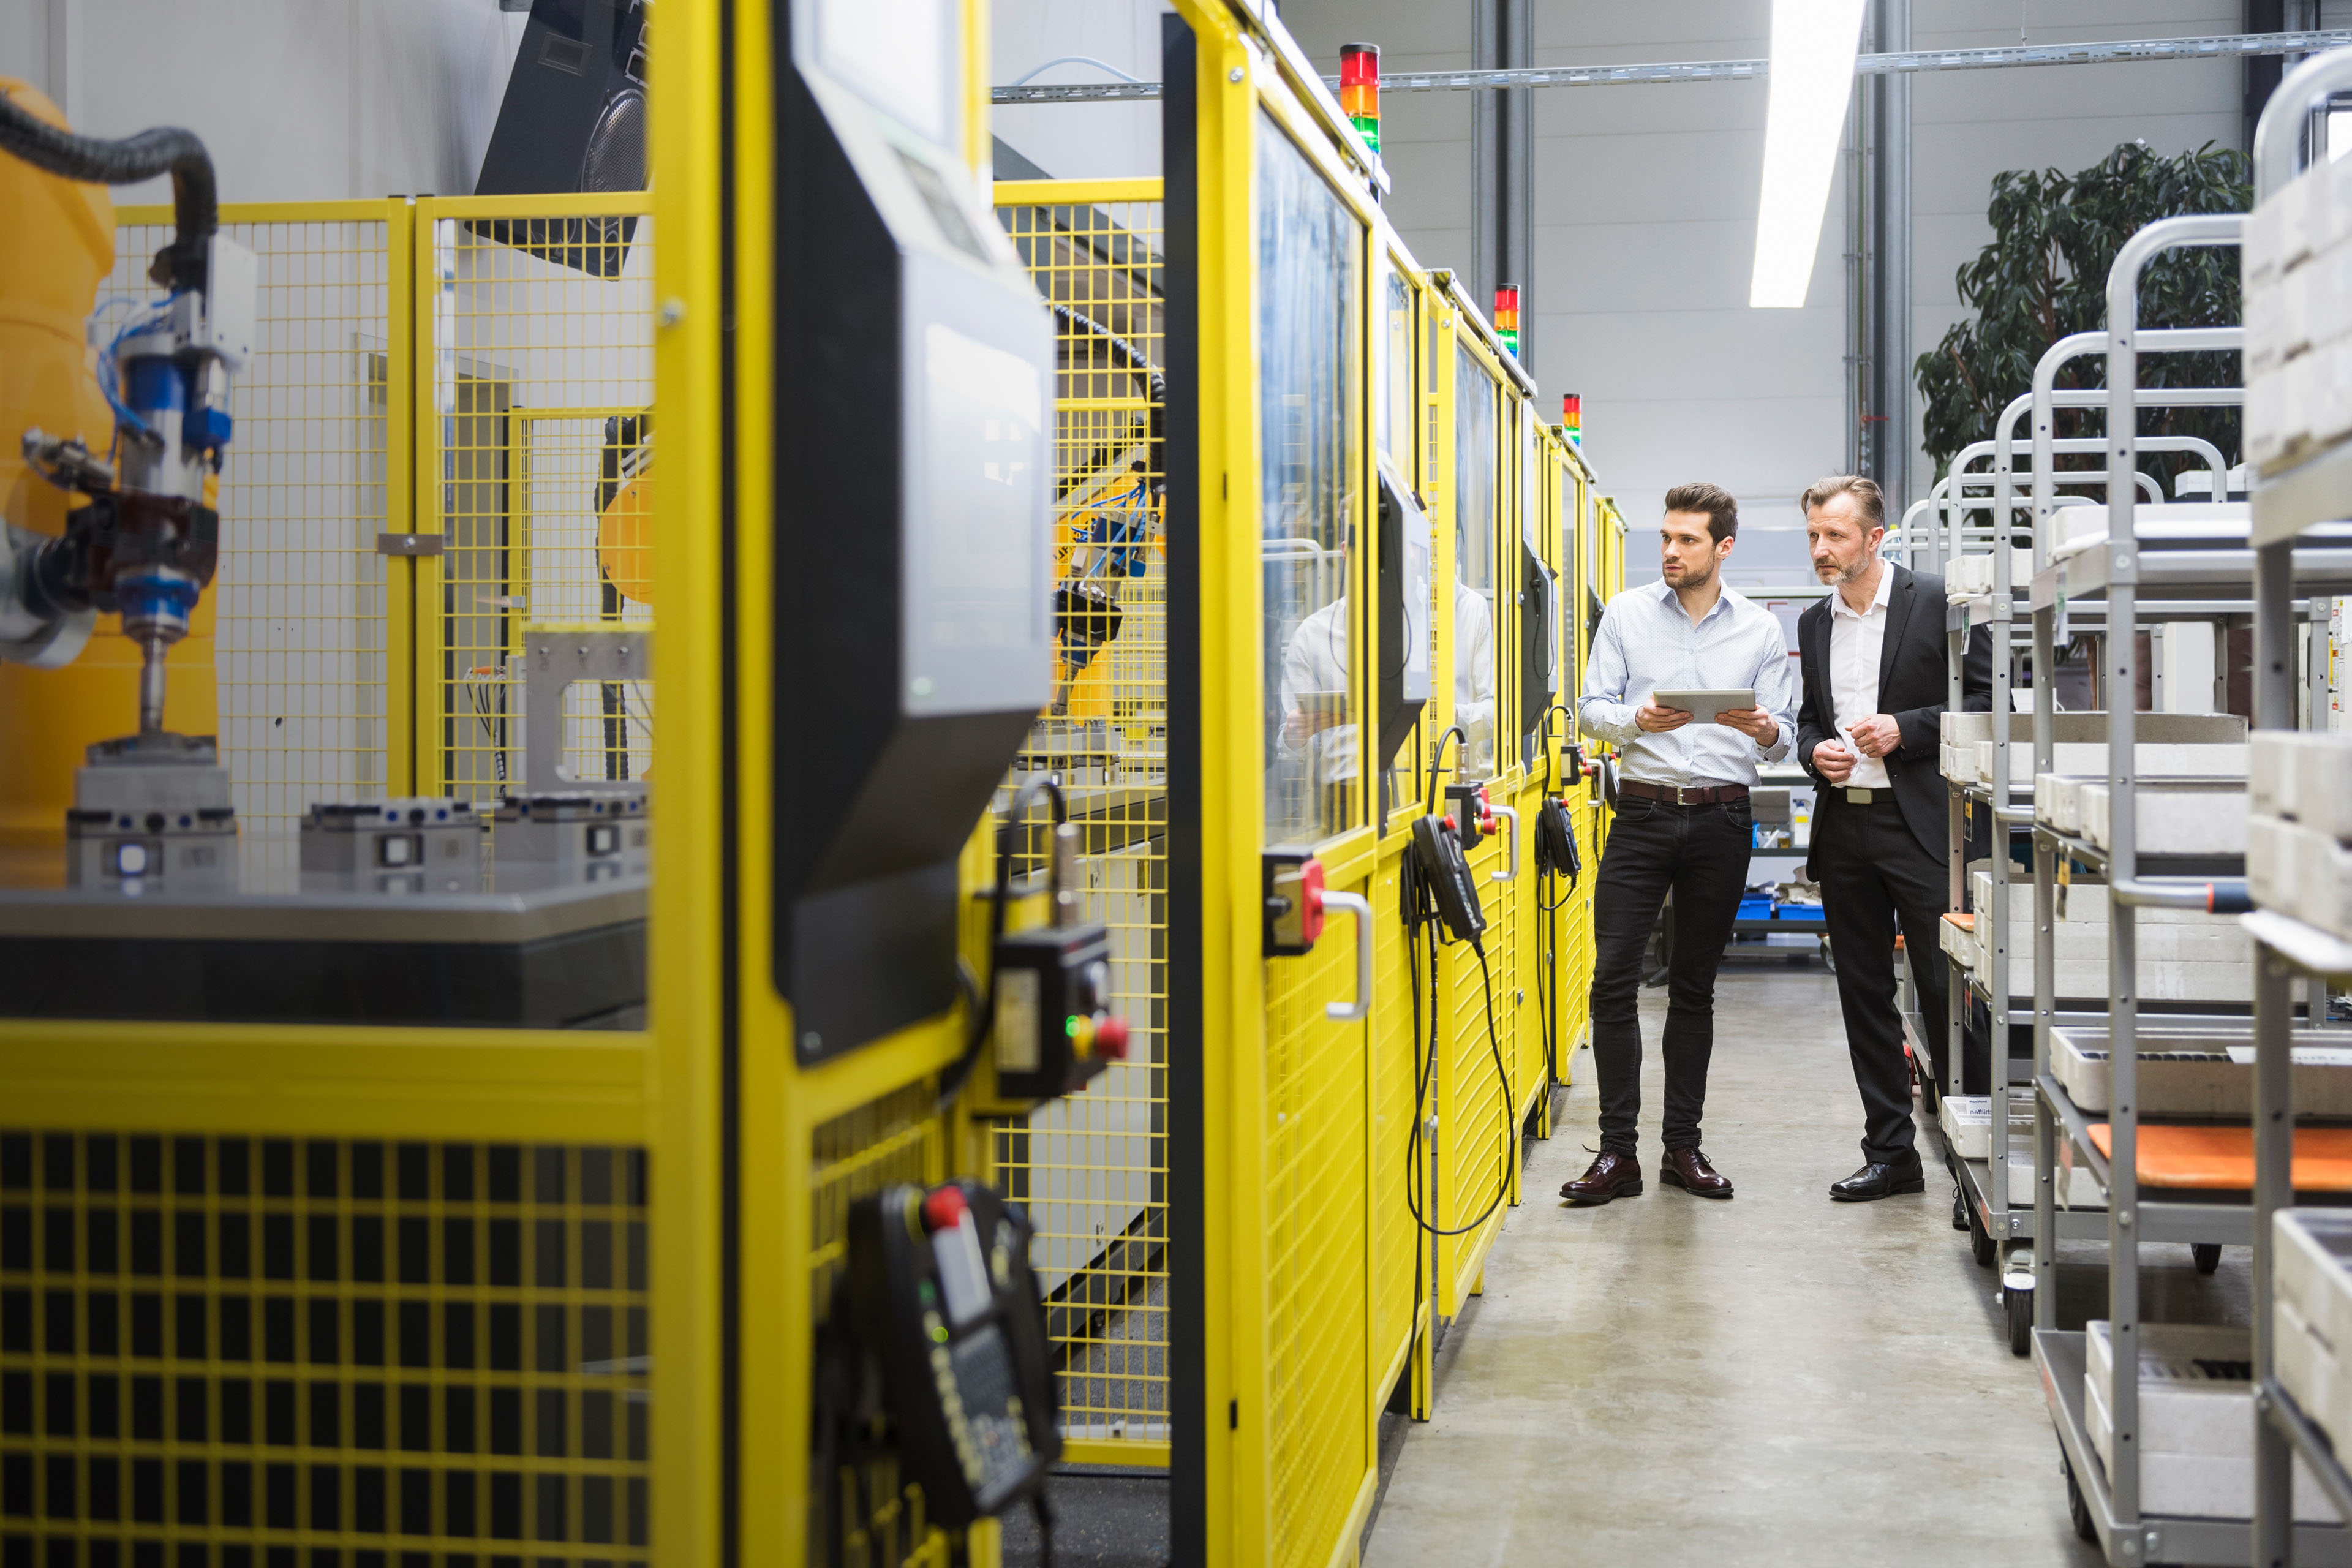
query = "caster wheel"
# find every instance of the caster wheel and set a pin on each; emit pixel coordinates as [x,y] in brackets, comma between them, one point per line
[2207,1255]
[2020,1306]
[1959,1211]
[2076,1509]
[1981,1242]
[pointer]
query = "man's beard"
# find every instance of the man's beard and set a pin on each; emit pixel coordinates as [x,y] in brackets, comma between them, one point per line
[1836,576]
[1698,577]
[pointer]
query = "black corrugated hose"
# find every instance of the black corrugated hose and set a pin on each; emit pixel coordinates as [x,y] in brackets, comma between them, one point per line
[166,149]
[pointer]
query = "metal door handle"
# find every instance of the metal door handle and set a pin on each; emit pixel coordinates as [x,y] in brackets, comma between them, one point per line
[1357,905]
[1511,860]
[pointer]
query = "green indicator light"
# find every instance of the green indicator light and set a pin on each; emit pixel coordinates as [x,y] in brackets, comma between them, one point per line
[938,1334]
[1070,1026]
[1369,126]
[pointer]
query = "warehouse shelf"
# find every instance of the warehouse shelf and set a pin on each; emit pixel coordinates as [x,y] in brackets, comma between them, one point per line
[2278,1406]
[2159,576]
[2286,507]
[2287,504]
[2062,1358]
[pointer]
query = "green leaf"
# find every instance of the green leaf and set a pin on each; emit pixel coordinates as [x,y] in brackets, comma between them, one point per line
[2044,276]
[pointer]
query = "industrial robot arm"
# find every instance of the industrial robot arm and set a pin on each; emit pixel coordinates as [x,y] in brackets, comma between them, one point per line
[144,541]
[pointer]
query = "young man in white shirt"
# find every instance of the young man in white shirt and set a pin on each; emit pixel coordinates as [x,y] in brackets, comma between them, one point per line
[1683,823]
[1869,729]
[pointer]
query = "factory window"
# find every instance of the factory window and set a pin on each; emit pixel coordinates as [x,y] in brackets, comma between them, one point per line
[1310,357]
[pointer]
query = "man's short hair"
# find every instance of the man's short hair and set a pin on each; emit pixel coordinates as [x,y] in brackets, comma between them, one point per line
[1722,510]
[1868,498]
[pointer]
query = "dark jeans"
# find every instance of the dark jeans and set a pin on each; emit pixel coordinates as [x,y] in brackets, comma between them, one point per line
[1872,872]
[1700,854]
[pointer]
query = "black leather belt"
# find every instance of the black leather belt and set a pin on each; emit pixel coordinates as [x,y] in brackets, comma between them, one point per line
[1672,795]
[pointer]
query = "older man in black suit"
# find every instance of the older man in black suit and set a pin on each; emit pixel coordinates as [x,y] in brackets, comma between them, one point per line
[1869,722]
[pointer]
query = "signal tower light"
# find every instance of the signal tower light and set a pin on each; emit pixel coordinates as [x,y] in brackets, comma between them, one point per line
[1571,418]
[1359,89]
[1506,316]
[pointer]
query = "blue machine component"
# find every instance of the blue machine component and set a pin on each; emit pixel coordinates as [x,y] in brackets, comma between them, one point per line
[156,599]
[210,427]
[157,385]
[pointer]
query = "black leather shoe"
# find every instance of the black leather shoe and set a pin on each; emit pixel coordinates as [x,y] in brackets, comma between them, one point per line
[1875,1180]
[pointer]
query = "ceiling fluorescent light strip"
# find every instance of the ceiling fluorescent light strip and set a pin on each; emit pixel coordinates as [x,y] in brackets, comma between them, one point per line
[1813,47]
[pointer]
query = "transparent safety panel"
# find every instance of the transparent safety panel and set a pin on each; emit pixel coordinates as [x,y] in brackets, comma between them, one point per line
[392,765]
[1399,426]
[1310,261]
[1476,456]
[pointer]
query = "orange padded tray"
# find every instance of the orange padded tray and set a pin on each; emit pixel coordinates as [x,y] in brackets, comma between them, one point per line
[1966,922]
[2223,1158]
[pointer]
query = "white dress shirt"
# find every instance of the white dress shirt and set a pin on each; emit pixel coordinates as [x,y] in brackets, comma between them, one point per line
[1855,641]
[1316,659]
[1646,644]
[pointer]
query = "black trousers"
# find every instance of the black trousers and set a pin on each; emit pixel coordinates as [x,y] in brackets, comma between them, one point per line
[1700,854]
[1873,873]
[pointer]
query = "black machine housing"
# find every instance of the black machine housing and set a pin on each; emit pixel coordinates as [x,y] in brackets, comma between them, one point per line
[1442,878]
[1045,977]
[573,120]
[970,1407]
[913,379]
[1539,650]
[1404,600]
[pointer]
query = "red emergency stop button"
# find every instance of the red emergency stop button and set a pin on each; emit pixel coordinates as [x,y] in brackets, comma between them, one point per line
[1110,1037]
[1310,902]
[943,1207]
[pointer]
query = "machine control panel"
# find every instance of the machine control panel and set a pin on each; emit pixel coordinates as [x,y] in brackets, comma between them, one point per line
[1441,880]
[942,1310]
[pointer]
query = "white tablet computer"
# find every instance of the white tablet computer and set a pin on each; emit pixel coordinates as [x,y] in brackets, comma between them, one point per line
[1703,706]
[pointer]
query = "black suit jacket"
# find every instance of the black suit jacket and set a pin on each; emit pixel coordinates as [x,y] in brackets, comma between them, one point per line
[1912,688]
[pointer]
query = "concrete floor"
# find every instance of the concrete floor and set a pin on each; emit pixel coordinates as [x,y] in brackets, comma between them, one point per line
[1772,1379]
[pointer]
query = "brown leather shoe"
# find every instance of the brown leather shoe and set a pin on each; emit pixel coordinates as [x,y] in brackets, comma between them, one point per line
[1688,1168]
[1612,1176]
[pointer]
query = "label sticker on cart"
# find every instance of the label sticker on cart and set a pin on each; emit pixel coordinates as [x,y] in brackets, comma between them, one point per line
[2305,1056]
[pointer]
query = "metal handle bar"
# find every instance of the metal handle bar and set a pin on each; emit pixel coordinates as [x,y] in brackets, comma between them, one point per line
[1357,905]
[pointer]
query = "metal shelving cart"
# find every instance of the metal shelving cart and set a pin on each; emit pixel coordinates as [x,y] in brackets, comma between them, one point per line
[2135,578]
[2285,507]
[1984,1206]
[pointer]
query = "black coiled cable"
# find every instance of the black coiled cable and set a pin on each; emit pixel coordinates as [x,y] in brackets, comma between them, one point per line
[166,150]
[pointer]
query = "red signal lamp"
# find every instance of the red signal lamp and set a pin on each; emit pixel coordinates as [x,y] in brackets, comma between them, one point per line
[1506,316]
[1360,90]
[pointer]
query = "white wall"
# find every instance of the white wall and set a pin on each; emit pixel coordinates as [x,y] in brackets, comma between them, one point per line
[1087,140]
[1969,126]
[1645,212]
[297,99]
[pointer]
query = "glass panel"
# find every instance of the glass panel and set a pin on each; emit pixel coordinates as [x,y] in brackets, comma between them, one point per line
[1396,410]
[379,790]
[1475,457]
[1400,427]
[1310,258]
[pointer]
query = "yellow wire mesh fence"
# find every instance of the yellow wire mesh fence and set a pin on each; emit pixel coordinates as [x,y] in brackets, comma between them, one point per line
[1092,1168]
[300,599]
[536,468]
[263,1351]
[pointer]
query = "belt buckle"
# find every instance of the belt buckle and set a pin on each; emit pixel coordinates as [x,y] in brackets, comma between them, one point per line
[1854,796]
[1679,793]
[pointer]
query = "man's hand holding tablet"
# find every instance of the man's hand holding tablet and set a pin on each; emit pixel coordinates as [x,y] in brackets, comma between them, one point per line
[1733,710]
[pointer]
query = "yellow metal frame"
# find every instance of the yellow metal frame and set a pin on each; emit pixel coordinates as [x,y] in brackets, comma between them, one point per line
[752,1153]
